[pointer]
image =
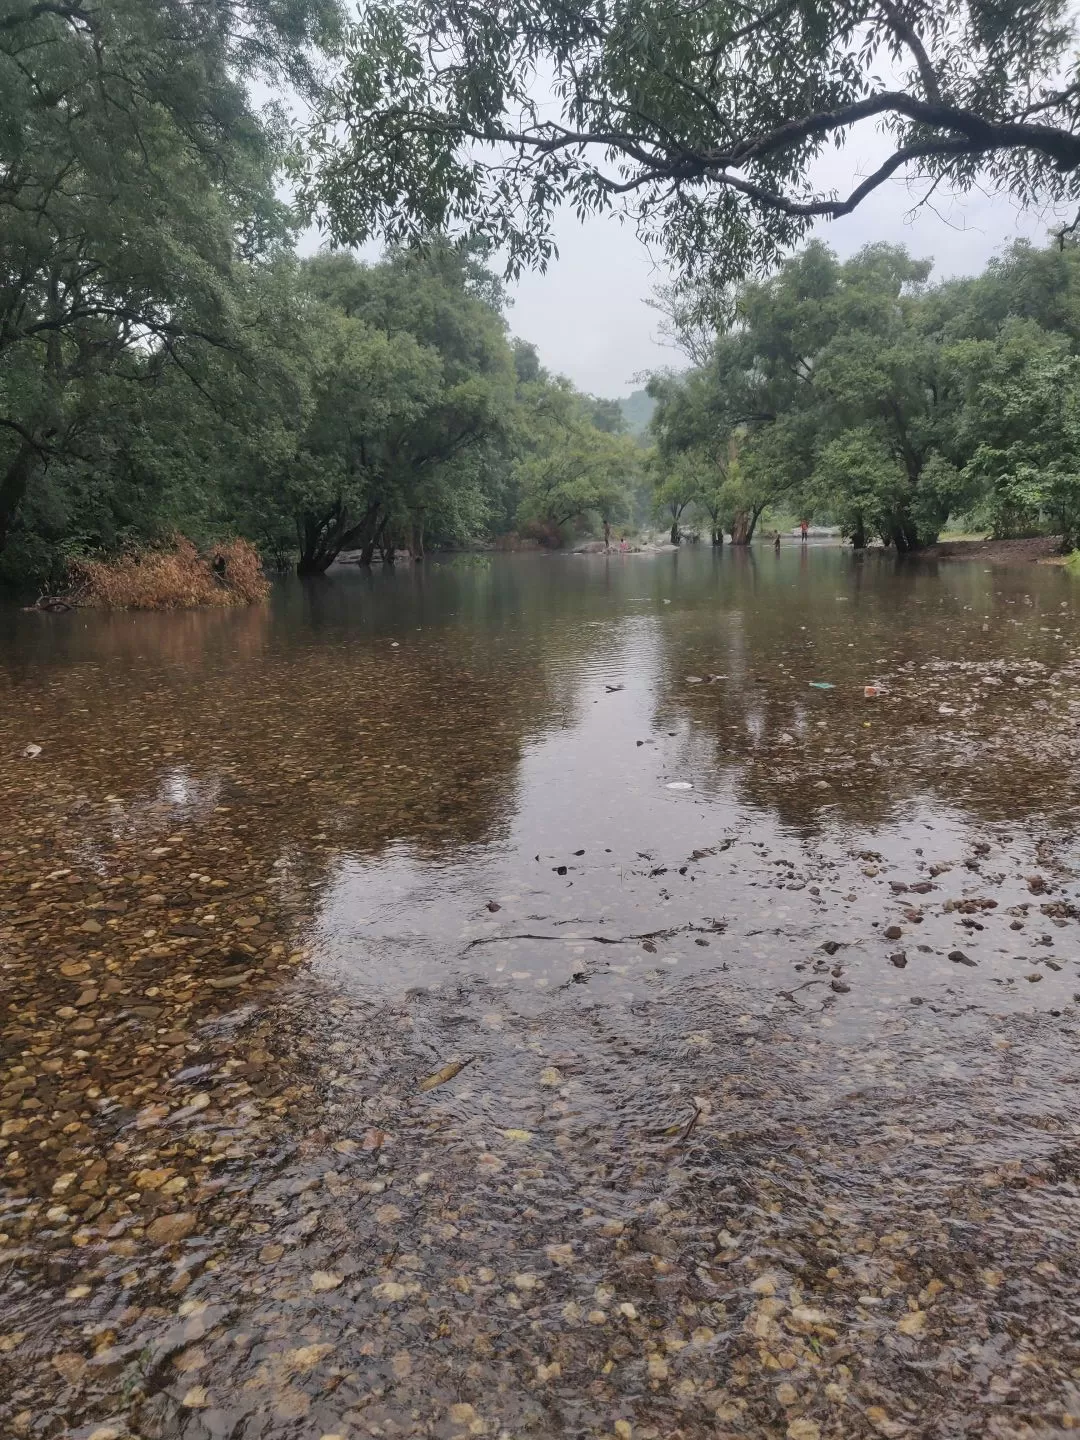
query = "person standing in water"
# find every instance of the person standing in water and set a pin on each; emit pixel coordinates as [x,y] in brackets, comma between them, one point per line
[776,542]
[805,528]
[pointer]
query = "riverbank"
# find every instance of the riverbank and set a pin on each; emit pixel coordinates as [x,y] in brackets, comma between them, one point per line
[1037,549]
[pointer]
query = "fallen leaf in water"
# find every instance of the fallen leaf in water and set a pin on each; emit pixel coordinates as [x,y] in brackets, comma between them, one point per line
[190,1360]
[913,1323]
[803,1429]
[196,1398]
[291,1404]
[447,1072]
[390,1290]
[959,958]
[306,1357]
[881,1422]
[518,1134]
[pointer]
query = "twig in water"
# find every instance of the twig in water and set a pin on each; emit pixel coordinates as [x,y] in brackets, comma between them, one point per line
[689,1127]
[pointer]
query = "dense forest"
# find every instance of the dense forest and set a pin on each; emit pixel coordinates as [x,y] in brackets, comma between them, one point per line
[170,364]
[862,394]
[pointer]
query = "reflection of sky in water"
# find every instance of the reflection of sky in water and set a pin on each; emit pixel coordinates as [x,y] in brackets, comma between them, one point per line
[409,744]
[657,861]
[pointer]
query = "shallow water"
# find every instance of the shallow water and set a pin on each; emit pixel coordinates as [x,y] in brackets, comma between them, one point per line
[725,1157]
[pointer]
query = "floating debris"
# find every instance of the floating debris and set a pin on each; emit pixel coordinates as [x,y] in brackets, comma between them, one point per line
[447,1072]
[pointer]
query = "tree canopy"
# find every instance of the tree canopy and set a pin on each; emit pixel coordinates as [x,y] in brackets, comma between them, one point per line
[703,120]
[169,362]
[861,392]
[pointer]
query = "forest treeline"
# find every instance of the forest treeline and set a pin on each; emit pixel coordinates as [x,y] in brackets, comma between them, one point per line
[169,363]
[860,393]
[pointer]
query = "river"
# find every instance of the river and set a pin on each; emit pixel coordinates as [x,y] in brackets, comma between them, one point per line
[543,995]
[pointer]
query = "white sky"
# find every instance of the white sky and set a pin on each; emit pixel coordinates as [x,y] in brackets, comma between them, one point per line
[588,318]
[587,315]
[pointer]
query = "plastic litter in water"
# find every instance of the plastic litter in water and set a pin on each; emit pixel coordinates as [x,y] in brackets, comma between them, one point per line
[680,785]
[822,685]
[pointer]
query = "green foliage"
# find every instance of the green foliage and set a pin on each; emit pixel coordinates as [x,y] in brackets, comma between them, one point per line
[1023,422]
[571,472]
[861,392]
[677,482]
[703,120]
[136,178]
[637,409]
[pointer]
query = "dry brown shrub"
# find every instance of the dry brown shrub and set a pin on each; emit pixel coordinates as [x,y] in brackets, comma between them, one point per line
[178,578]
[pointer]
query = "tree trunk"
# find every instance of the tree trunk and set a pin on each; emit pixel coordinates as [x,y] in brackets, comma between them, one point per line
[312,532]
[323,537]
[717,535]
[377,543]
[742,528]
[416,547]
[371,538]
[858,535]
[675,535]
[13,487]
[607,534]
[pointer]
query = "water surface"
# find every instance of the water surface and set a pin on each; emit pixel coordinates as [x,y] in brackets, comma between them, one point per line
[767,1124]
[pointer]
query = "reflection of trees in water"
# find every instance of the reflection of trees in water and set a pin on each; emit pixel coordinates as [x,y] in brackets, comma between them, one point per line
[319,735]
[119,637]
[771,629]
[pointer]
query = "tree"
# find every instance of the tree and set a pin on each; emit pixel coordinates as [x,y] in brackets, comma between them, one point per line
[710,426]
[860,483]
[677,483]
[703,120]
[607,415]
[135,178]
[411,381]
[1022,424]
[580,470]
[822,348]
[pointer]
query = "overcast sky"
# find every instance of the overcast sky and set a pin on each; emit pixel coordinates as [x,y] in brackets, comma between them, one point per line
[588,318]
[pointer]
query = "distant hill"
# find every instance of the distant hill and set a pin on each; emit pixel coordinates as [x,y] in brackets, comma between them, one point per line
[637,411]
